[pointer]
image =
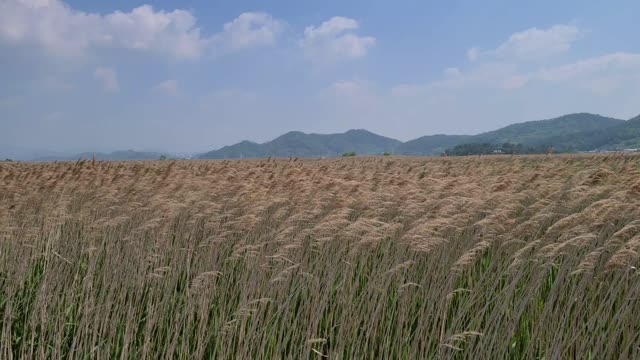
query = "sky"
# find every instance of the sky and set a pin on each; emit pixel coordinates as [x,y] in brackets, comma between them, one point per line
[195,75]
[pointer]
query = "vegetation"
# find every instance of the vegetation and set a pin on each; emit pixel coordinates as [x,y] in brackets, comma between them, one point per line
[369,257]
[569,133]
[432,144]
[621,136]
[574,132]
[298,144]
[349,153]
[535,133]
[491,149]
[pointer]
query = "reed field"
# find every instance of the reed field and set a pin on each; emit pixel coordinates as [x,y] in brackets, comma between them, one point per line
[493,257]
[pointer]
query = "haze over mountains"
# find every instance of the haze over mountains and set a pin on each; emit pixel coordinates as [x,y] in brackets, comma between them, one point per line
[115,156]
[568,133]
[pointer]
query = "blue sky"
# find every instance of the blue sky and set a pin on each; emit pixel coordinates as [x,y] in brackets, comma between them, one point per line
[196,75]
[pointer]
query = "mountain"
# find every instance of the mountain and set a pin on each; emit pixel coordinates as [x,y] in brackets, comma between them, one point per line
[431,144]
[297,143]
[568,133]
[573,132]
[536,133]
[624,135]
[114,156]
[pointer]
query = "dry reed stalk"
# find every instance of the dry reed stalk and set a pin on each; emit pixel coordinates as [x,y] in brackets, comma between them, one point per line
[350,258]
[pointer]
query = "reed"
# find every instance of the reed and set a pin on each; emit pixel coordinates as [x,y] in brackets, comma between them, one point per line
[367,257]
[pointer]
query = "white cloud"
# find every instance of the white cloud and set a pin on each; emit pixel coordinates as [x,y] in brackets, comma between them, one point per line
[168,87]
[612,63]
[536,43]
[173,33]
[250,30]
[335,39]
[62,31]
[502,93]
[108,78]
[532,44]
[601,75]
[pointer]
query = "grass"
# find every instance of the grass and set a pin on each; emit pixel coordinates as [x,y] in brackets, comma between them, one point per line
[365,257]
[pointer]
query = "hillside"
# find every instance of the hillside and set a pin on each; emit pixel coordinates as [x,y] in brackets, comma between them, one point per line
[621,136]
[539,132]
[431,144]
[573,131]
[568,133]
[297,143]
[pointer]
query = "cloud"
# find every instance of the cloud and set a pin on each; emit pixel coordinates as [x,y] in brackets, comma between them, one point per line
[532,44]
[601,75]
[502,93]
[503,71]
[356,96]
[108,78]
[64,32]
[250,30]
[334,40]
[168,87]
[536,43]
[617,62]
[473,54]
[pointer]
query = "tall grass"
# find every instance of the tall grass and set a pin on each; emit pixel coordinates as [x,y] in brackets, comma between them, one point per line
[492,257]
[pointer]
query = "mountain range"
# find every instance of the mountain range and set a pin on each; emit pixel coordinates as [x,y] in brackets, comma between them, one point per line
[297,143]
[568,133]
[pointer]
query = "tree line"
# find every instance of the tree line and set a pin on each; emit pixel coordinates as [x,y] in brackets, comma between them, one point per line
[491,149]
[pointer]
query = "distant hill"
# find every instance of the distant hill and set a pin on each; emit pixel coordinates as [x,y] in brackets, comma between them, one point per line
[114,156]
[564,132]
[624,135]
[431,144]
[568,133]
[299,144]
[534,133]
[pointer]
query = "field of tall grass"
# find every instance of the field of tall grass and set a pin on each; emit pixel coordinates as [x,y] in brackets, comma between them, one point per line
[362,257]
